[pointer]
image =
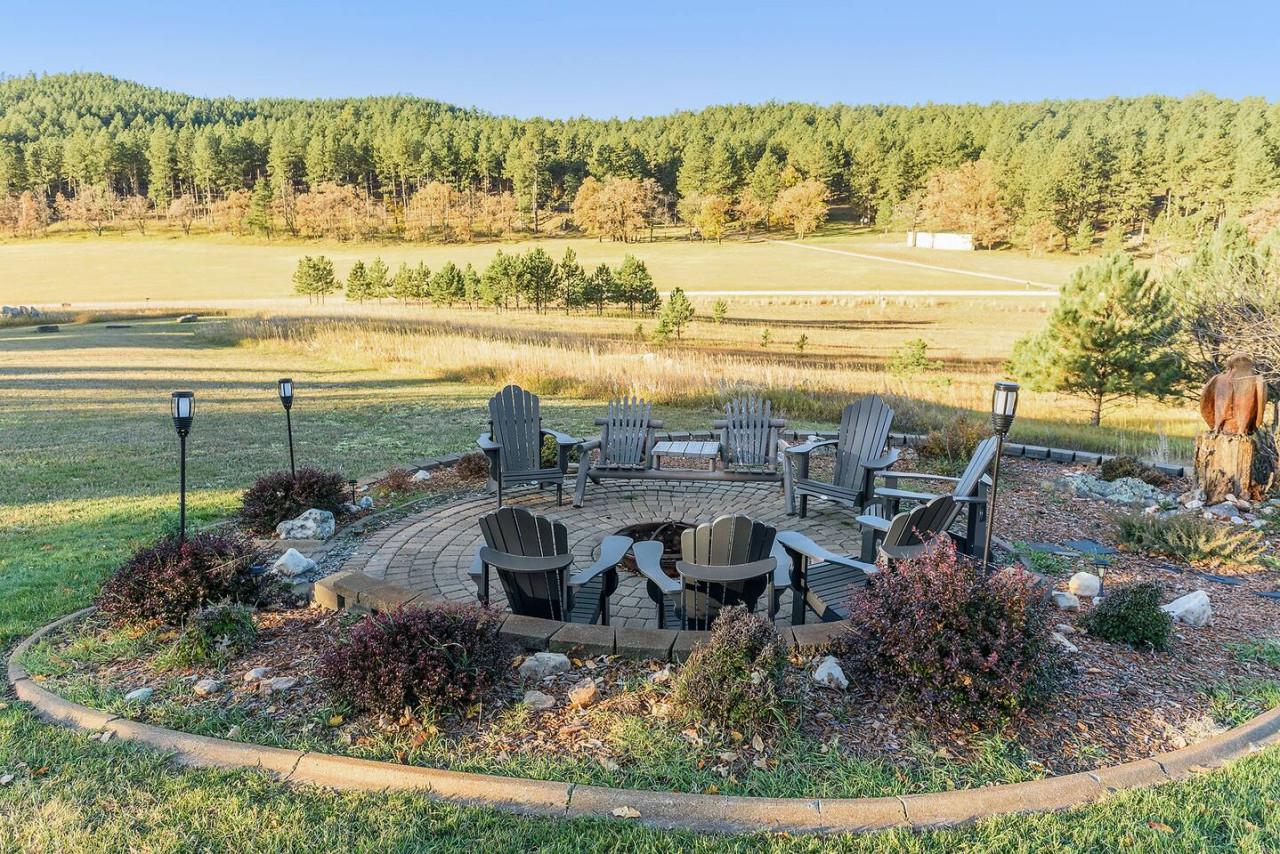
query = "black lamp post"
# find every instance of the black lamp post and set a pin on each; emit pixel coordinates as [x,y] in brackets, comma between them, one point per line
[1004,405]
[286,399]
[184,408]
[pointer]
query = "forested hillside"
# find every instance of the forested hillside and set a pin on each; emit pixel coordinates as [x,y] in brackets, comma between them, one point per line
[100,152]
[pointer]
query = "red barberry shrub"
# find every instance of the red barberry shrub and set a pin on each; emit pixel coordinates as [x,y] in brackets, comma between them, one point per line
[171,579]
[278,496]
[441,656]
[951,641]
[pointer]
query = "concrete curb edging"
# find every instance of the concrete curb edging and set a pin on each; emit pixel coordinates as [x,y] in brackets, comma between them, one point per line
[665,810]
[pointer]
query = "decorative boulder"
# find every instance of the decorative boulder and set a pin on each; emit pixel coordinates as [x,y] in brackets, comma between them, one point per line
[1193,609]
[292,563]
[311,525]
[1066,601]
[830,675]
[365,502]
[1085,584]
[584,692]
[420,475]
[540,665]
[206,687]
[538,701]
[139,695]
[188,318]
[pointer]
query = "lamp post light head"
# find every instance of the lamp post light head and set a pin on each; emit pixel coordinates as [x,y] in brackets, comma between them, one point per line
[184,409]
[1004,405]
[286,392]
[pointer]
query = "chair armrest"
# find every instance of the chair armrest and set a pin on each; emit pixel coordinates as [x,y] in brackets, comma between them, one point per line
[876,523]
[883,462]
[886,492]
[486,443]
[612,551]
[655,424]
[918,475]
[781,573]
[561,438]
[591,444]
[970,499]
[648,556]
[810,446]
[502,560]
[799,543]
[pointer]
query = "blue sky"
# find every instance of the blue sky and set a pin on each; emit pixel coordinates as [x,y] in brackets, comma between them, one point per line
[602,59]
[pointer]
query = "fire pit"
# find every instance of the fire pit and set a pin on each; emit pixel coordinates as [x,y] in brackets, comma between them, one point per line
[667,532]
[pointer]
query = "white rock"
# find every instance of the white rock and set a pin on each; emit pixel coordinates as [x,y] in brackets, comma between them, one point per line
[365,502]
[1066,601]
[830,675]
[257,673]
[420,475]
[293,562]
[1061,641]
[538,701]
[280,683]
[349,508]
[1239,520]
[1225,510]
[312,525]
[205,687]
[1259,523]
[1085,584]
[584,692]
[540,665]
[1193,609]
[1065,628]
[1194,505]
[139,695]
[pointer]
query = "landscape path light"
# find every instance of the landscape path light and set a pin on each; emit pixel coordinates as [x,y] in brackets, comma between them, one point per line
[1004,406]
[285,386]
[184,410]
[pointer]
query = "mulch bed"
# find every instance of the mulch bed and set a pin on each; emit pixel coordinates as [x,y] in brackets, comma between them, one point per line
[1118,705]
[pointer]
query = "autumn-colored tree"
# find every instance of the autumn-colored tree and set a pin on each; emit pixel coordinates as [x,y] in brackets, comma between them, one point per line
[94,207]
[712,217]
[803,206]
[183,210]
[968,200]
[31,215]
[137,209]
[750,210]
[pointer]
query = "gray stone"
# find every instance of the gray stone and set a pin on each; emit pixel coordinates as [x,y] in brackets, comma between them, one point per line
[584,692]
[1061,641]
[1224,510]
[280,683]
[538,701]
[540,665]
[292,563]
[1193,609]
[256,674]
[365,502]
[207,686]
[420,475]
[1066,601]
[312,525]
[830,675]
[1122,490]
[139,695]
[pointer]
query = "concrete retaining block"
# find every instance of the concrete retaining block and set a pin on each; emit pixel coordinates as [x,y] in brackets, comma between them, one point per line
[862,815]
[705,813]
[529,632]
[590,640]
[386,597]
[645,643]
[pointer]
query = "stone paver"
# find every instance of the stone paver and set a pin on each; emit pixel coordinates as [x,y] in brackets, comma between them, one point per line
[430,552]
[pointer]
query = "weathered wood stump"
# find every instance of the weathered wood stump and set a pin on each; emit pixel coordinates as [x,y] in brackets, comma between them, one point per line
[1243,466]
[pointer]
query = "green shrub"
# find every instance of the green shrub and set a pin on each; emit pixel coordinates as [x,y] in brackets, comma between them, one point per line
[278,496]
[1118,467]
[949,448]
[214,635]
[912,358]
[1191,538]
[1131,615]
[737,678]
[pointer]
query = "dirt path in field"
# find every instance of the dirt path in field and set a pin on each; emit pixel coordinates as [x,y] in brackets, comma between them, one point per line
[868,257]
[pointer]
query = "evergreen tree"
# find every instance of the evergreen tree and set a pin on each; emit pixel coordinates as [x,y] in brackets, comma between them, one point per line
[537,277]
[718,310]
[636,287]
[447,286]
[358,282]
[470,286]
[379,279]
[1109,337]
[677,312]
[402,284]
[572,278]
[500,282]
[598,287]
[314,277]
[259,219]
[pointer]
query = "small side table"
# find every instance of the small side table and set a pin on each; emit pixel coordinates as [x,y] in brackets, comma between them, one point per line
[701,450]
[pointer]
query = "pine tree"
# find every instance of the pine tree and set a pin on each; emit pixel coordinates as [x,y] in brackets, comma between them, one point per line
[358,282]
[718,310]
[636,287]
[379,279]
[598,288]
[314,277]
[537,277]
[676,312]
[447,285]
[402,284]
[1109,337]
[258,220]
[572,279]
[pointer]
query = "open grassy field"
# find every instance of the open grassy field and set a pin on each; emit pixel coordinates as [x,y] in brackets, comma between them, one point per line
[174,269]
[90,472]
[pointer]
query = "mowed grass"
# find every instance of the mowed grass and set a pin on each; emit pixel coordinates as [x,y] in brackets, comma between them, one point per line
[172,268]
[89,472]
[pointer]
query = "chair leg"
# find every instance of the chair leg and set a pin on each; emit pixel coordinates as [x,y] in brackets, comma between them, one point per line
[868,554]
[499,492]
[580,488]
[804,506]
[559,494]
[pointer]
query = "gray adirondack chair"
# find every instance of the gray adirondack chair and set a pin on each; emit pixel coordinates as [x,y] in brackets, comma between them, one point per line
[749,436]
[860,455]
[732,560]
[514,444]
[623,446]
[531,556]
[969,493]
[821,580]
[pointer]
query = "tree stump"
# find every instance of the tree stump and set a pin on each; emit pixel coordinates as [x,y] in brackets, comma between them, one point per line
[1243,466]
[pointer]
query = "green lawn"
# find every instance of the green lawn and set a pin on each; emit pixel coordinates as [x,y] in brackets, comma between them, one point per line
[89,471]
[177,268]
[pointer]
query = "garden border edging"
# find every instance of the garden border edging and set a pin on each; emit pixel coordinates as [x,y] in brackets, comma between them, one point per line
[666,810]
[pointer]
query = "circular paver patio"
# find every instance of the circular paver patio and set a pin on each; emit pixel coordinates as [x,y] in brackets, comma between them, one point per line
[431,551]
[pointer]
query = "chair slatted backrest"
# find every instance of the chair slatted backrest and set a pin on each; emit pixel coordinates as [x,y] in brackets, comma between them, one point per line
[515,423]
[911,530]
[983,456]
[724,562]
[521,532]
[625,433]
[750,434]
[864,430]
